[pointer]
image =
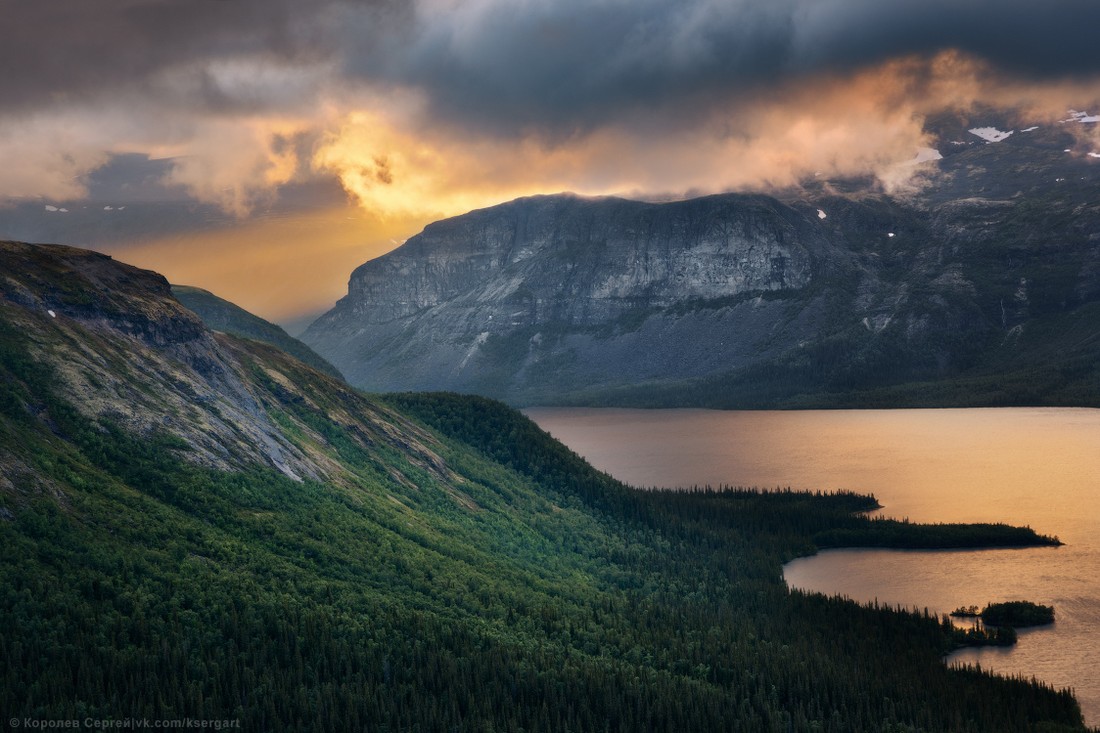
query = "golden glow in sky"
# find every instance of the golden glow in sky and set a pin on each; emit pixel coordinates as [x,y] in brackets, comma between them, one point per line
[279,268]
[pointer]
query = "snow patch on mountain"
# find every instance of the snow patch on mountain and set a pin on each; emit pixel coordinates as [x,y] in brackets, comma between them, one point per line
[990,134]
[1075,116]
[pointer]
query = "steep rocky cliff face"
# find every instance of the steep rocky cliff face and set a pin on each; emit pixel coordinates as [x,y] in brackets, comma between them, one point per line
[564,299]
[559,287]
[552,297]
[562,258]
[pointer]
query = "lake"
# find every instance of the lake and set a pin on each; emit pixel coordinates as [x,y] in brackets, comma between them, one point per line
[1033,466]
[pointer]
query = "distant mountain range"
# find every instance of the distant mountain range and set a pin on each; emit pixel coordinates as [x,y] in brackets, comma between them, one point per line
[221,315]
[980,287]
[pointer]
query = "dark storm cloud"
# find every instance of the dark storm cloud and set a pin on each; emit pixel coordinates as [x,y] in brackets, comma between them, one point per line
[132,177]
[1031,38]
[573,64]
[71,51]
[519,64]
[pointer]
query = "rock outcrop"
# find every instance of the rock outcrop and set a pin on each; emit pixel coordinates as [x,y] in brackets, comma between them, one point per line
[518,286]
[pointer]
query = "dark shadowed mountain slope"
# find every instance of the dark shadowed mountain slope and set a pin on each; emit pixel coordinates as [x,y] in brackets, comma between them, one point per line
[816,297]
[197,526]
[221,315]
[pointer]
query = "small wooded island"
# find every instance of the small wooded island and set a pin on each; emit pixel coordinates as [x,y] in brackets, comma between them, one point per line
[1015,614]
[999,622]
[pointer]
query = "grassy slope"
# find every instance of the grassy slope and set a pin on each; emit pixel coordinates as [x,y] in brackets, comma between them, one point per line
[476,576]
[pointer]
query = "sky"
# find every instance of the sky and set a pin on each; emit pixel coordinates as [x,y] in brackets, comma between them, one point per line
[264,148]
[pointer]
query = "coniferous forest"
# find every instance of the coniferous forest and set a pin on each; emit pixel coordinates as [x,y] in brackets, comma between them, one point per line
[466,572]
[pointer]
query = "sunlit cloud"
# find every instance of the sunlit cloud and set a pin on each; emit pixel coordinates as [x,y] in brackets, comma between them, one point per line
[870,122]
[395,160]
[48,155]
[233,161]
[238,163]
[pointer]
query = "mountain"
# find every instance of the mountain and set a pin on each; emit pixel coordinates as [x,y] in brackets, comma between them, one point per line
[221,315]
[201,527]
[979,287]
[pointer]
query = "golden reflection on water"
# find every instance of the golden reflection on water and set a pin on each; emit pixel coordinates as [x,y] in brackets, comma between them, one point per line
[1034,466]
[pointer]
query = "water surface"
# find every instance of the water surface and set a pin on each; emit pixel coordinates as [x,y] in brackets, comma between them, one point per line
[1039,467]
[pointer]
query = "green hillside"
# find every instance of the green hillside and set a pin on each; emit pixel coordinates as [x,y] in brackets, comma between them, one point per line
[407,563]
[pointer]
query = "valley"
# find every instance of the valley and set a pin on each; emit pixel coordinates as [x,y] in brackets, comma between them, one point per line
[200,525]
